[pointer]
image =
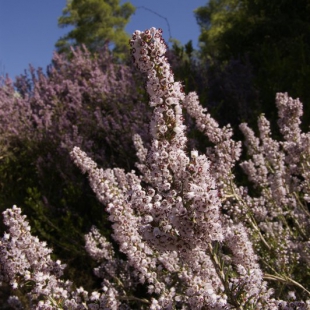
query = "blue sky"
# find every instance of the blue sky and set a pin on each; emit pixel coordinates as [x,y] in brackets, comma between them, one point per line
[29,30]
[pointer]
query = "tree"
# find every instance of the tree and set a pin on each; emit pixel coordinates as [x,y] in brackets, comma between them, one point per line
[96,23]
[214,19]
[274,36]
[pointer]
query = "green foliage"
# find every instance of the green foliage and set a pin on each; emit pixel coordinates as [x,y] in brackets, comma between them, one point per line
[96,23]
[215,19]
[274,36]
[181,58]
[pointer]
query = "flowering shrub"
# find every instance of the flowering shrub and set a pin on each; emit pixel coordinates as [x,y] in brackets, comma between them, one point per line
[185,235]
[279,209]
[85,100]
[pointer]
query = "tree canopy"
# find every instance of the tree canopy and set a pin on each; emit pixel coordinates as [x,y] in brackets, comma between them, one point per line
[214,19]
[96,23]
[274,36]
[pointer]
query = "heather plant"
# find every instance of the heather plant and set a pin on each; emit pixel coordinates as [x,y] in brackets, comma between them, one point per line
[274,205]
[86,100]
[279,203]
[82,94]
[185,235]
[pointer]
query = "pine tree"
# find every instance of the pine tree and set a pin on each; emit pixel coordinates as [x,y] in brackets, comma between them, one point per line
[96,23]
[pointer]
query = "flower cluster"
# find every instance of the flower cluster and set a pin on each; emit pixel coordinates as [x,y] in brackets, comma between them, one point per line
[83,101]
[192,237]
[278,206]
[26,263]
[168,221]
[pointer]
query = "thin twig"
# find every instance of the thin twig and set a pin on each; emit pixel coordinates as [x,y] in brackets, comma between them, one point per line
[150,10]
